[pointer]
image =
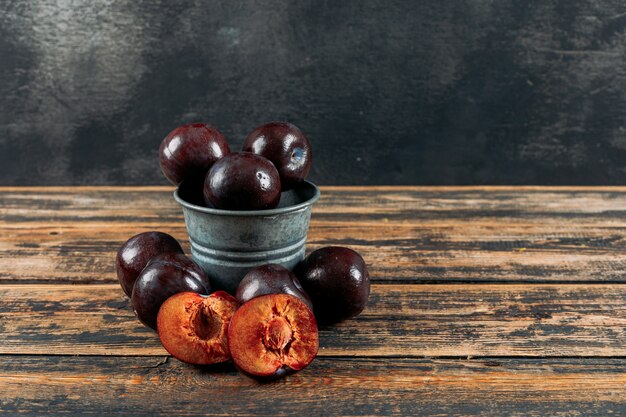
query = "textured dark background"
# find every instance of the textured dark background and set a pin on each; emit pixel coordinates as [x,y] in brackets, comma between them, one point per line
[389,92]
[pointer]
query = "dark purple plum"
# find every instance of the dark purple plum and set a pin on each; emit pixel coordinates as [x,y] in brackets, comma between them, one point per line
[286,146]
[181,261]
[337,281]
[162,278]
[188,152]
[270,279]
[137,251]
[242,181]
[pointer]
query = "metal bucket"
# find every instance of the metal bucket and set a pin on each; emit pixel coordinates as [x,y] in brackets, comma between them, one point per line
[228,243]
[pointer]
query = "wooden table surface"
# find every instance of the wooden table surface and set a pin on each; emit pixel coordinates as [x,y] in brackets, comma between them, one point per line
[485,300]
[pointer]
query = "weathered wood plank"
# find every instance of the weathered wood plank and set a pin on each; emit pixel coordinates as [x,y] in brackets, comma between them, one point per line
[406,234]
[532,320]
[455,252]
[399,204]
[137,386]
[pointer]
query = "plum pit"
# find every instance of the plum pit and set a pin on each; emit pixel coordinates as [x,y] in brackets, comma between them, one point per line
[278,334]
[204,322]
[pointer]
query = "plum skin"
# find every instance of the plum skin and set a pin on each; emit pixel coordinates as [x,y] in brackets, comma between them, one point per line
[242,181]
[136,252]
[188,151]
[286,146]
[337,280]
[161,279]
[270,279]
[182,261]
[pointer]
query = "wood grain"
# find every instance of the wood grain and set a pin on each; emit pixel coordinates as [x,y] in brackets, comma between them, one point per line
[406,234]
[137,386]
[486,301]
[531,320]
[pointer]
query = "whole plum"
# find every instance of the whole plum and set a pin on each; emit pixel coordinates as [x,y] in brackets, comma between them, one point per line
[137,251]
[270,279]
[337,280]
[163,277]
[286,146]
[242,181]
[188,152]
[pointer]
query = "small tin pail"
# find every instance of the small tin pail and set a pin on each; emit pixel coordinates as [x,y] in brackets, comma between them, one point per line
[228,243]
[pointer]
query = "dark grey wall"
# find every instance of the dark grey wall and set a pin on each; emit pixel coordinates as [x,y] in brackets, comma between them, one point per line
[388,91]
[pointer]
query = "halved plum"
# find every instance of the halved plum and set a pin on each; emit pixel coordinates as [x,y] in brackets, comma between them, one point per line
[193,328]
[272,336]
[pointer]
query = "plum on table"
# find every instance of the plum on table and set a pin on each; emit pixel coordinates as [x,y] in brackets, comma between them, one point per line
[337,280]
[136,252]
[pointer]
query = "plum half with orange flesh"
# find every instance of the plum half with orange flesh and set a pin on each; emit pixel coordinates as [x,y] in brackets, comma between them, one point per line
[272,336]
[194,328]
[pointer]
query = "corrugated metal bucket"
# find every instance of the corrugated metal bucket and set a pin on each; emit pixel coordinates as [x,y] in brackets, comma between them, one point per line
[227,243]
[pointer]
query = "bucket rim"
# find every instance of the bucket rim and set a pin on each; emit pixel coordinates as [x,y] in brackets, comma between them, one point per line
[252,213]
